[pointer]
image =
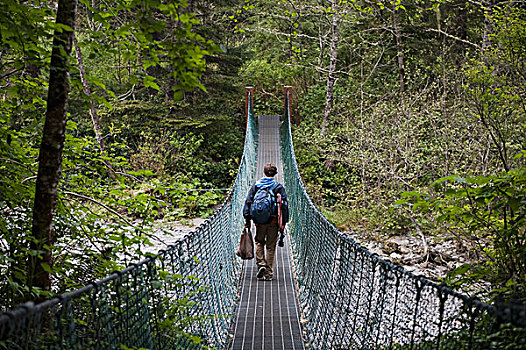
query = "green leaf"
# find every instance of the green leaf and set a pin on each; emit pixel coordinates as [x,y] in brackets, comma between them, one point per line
[141,172]
[178,95]
[461,270]
[151,84]
[46,267]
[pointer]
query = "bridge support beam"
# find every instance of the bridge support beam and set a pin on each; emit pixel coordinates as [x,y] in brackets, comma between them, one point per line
[287,89]
[249,93]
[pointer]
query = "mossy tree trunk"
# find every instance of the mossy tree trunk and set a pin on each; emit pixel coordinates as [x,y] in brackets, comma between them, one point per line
[50,156]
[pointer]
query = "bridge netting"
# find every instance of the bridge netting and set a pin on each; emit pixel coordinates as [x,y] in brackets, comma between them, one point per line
[186,293]
[353,299]
[350,298]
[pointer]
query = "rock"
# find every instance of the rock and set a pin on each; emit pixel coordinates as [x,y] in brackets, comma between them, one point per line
[390,247]
[377,251]
[410,268]
[444,253]
[395,257]
[405,249]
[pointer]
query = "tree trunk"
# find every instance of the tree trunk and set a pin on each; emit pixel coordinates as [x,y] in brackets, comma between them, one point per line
[400,52]
[331,79]
[50,157]
[488,28]
[92,108]
[85,87]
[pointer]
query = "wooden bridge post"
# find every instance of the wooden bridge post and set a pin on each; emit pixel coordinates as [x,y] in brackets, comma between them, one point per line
[249,91]
[289,90]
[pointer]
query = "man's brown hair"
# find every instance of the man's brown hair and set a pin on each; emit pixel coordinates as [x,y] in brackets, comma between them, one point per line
[270,170]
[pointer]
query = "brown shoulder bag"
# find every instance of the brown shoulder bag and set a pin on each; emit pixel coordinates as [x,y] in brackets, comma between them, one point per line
[246,245]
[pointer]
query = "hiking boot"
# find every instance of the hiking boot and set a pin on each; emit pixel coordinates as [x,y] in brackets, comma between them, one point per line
[261,272]
[268,278]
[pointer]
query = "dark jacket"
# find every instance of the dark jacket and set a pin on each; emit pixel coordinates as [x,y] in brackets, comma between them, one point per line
[265,182]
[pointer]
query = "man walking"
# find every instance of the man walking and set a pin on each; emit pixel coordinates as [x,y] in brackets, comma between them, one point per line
[267,206]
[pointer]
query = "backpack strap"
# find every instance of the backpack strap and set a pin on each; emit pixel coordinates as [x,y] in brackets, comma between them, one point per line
[271,188]
[275,196]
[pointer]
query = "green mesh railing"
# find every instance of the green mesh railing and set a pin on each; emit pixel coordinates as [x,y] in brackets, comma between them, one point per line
[352,299]
[150,304]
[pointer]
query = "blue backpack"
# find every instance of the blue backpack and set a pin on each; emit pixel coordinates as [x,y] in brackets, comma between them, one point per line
[264,205]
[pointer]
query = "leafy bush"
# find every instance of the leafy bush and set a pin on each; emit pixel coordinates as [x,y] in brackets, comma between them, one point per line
[174,140]
[490,211]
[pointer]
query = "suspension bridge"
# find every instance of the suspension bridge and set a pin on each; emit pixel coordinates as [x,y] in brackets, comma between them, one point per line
[328,292]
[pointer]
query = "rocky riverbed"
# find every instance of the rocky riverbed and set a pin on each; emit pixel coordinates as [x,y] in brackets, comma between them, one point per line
[424,256]
[167,233]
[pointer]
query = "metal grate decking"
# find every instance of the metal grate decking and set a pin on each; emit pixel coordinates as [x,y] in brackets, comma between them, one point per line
[267,316]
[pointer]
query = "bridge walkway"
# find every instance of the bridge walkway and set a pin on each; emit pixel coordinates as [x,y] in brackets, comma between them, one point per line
[267,316]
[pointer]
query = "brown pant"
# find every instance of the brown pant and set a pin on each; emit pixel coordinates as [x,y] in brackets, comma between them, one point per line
[266,236]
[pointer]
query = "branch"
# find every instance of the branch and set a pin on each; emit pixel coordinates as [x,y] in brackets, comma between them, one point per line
[452,37]
[206,189]
[126,94]
[270,31]
[88,236]
[7,74]
[127,175]
[102,205]
[479,4]
[426,254]
[28,178]
[17,163]
[375,66]
[151,235]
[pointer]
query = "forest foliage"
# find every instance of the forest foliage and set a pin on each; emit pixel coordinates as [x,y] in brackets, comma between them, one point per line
[423,102]
[142,147]
[409,115]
